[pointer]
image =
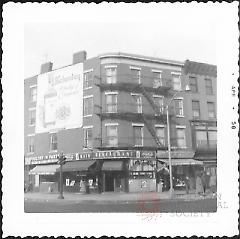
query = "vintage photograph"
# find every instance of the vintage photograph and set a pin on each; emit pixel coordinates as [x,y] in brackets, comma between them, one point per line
[121,113]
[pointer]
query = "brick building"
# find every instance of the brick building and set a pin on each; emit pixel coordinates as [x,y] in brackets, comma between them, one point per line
[107,115]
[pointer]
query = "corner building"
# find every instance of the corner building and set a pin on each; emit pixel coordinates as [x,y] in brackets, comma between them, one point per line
[107,115]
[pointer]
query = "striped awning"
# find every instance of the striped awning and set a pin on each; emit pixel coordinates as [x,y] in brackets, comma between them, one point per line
[112,166]
[182,161]
[44,169]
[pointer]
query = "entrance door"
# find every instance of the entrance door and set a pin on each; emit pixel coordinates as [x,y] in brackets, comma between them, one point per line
[109,182]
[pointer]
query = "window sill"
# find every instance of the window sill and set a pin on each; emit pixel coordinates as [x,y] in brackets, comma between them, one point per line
[180,116]
[87,115]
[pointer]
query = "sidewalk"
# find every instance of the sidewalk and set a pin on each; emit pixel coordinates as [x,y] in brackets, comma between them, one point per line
[111,197]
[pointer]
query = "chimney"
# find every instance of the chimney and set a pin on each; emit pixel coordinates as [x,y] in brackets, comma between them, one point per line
[46,67]
[79,57]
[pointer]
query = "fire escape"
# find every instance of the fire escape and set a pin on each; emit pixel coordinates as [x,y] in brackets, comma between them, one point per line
[147,92]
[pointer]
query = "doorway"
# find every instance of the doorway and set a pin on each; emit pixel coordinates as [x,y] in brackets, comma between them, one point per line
[109,182]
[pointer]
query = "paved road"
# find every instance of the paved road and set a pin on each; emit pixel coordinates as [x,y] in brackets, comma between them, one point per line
[204,205]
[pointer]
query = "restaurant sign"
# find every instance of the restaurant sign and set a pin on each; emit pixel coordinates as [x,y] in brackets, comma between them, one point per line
[110,154]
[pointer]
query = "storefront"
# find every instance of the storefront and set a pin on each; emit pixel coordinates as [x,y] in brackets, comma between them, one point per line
[45,178]
[114,174]
[184,167]
[80,176]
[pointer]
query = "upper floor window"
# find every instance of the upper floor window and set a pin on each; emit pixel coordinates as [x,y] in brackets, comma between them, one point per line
[158,100]
[211,110]
[135,75]
[33,93]
[206,138]
[32,117]
[157,79]
[31,147]
[176,80]
[196,108]
[111,102]
[53,142]
[160,132]
[88,137]
[112,135]
[180,135]
[193,84]
[138,101]
[138,135]
[111,74]
[178,103]
[88,106]
[88,80]
[209,87]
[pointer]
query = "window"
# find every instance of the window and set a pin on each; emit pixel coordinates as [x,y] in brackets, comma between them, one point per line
[181,142]
[32,117]
[33,93]
[196,109]
[160,132]
[111,103]
[88,106]
[138,135]
[88,137]
[88,80]
[201,139]
[112,135]
[157,79]
[138,102]
[193,84]
[209,88]
[176,79]
[53,142]
[212,138]
[31,144]
[158,100]
[211,110]
[111,75]
[178,103]
[136,75]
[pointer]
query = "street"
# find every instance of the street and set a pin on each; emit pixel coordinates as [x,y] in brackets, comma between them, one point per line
[158,206]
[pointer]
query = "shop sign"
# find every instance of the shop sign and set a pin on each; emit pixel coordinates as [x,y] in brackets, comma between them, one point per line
[145,154]
[114,154]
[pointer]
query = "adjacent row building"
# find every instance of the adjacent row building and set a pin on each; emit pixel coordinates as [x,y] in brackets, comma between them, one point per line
[108,116]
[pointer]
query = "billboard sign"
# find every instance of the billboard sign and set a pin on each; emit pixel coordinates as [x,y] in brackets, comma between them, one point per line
[60,99]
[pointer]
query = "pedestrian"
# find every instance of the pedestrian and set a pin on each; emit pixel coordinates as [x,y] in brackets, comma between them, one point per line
[199,186]
[213,183]
[187,183]
[204,182]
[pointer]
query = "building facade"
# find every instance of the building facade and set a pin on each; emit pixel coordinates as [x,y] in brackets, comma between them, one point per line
[108,116]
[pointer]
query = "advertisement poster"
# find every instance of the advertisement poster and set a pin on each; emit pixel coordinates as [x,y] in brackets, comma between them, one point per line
[60,99]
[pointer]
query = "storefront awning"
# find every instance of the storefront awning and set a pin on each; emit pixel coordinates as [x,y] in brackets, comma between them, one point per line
[182,161]
[112,166]
[44,169]
[80,165]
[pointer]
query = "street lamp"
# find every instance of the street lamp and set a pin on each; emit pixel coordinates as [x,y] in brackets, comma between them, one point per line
[171,190]
[61,162]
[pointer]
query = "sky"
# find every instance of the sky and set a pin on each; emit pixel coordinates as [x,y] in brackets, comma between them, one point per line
[171,31]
